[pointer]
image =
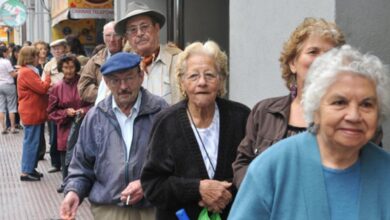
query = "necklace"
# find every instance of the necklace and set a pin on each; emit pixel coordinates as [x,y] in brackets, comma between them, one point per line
[201,141]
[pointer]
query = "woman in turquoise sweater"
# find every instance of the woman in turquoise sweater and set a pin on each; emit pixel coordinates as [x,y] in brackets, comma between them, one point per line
[333,171]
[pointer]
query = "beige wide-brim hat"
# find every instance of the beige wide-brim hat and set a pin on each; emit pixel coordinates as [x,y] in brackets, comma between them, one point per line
[135,9]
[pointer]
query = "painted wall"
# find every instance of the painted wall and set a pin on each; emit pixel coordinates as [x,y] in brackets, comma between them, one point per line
[257,32]
[367,26]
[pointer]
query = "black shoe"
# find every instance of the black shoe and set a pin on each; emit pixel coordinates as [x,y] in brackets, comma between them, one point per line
[29,177]
[61,189]
[37,174]
[54,169]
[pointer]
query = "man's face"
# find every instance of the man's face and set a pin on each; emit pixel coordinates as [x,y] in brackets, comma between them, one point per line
[125,86]
[112,40]
[143,35]
[58,51]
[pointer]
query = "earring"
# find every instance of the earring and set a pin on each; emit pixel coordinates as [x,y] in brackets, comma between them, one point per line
[293,86]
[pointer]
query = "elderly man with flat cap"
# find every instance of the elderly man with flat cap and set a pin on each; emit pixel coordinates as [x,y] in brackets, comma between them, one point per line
[112,147]
[58,48]
[141,27]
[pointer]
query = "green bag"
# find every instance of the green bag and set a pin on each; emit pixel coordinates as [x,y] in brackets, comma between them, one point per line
[204,215]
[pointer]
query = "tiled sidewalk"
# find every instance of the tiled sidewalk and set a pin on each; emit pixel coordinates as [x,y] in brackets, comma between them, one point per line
[29,200]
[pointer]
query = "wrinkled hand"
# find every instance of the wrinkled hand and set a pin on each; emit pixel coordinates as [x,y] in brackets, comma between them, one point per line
[69,206]
[134,190]
[71,112]
[215,194]
[80,111]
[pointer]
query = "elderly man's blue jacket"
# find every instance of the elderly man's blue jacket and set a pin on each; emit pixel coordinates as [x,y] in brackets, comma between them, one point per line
[99,167]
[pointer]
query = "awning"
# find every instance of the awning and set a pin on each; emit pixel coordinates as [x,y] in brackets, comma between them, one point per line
[83,13]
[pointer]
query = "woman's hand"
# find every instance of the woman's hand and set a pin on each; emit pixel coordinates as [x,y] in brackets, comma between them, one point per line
[71,112]
[215,194]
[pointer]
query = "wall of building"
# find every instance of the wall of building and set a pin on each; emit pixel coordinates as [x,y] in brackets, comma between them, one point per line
[38,23]
[257,32]
[367,26]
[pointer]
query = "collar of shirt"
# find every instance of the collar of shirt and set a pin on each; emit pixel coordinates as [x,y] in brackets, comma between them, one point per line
[134,109]
[33,68]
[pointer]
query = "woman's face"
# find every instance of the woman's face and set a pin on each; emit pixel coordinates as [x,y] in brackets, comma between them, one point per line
[348,113]
[201,80]
[69,70]
[42,50]
[312,47]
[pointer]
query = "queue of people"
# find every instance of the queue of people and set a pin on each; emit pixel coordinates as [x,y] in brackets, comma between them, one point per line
[158,135]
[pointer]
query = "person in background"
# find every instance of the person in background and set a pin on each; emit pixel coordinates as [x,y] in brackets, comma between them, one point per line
[27,43]
[108,159]
[276,118]
[65,104]
[77,48]
[59,49]
[14,61]
[332,171]
[43,49]
[32,99]
[8,96]
[194,142]
[91,78]
[141,27]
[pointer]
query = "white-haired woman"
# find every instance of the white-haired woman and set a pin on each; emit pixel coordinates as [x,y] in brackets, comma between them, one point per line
[194,142]
[332,171]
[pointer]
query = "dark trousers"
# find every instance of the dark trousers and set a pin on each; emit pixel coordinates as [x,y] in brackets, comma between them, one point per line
[54,153]
[63,165]
[42,143]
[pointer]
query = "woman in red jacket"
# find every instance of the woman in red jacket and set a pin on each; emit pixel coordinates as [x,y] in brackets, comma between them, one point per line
[33,100]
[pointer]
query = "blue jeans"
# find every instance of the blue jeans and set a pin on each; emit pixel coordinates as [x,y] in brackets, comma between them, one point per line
[31,140]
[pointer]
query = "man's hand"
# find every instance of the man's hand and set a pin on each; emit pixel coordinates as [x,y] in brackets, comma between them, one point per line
[215,194]
[69,206]
[134,192]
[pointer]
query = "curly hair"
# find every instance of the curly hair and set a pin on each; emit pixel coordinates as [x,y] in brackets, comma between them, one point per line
[293,46]
[209,48]
[69,58]
[326,69]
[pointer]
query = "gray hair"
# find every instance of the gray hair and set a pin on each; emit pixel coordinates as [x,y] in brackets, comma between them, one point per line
[325,69]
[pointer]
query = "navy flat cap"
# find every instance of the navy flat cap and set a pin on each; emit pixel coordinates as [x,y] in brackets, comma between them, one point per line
[120,62]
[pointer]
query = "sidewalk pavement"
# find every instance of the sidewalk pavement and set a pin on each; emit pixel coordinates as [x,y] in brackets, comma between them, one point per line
[29,200]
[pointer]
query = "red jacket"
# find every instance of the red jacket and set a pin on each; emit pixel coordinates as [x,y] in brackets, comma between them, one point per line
[32,92]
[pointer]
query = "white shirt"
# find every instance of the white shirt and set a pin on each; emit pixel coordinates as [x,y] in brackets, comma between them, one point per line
[103,91]
[126,123]
[5,70]
[210,138]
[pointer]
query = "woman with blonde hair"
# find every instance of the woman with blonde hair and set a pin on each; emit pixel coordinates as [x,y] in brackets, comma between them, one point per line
[193,143]
[33,102]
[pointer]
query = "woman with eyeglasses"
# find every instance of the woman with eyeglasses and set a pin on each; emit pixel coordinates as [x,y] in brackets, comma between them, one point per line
[193,143]
[65,104]
[32,109]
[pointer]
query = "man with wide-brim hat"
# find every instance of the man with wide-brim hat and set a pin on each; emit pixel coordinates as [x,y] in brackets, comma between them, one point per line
[108,159]
[141,27]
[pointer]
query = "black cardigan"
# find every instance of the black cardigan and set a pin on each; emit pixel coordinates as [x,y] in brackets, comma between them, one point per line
[174,167]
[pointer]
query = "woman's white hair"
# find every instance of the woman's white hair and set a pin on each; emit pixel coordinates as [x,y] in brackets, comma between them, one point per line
[325,69]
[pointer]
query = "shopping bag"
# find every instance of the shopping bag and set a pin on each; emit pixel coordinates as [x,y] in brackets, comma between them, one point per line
[204,215]
[72,138]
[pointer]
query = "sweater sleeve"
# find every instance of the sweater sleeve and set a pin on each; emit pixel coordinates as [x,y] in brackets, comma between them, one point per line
[33,82]
[55,111]
[161,187]
[254,199]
